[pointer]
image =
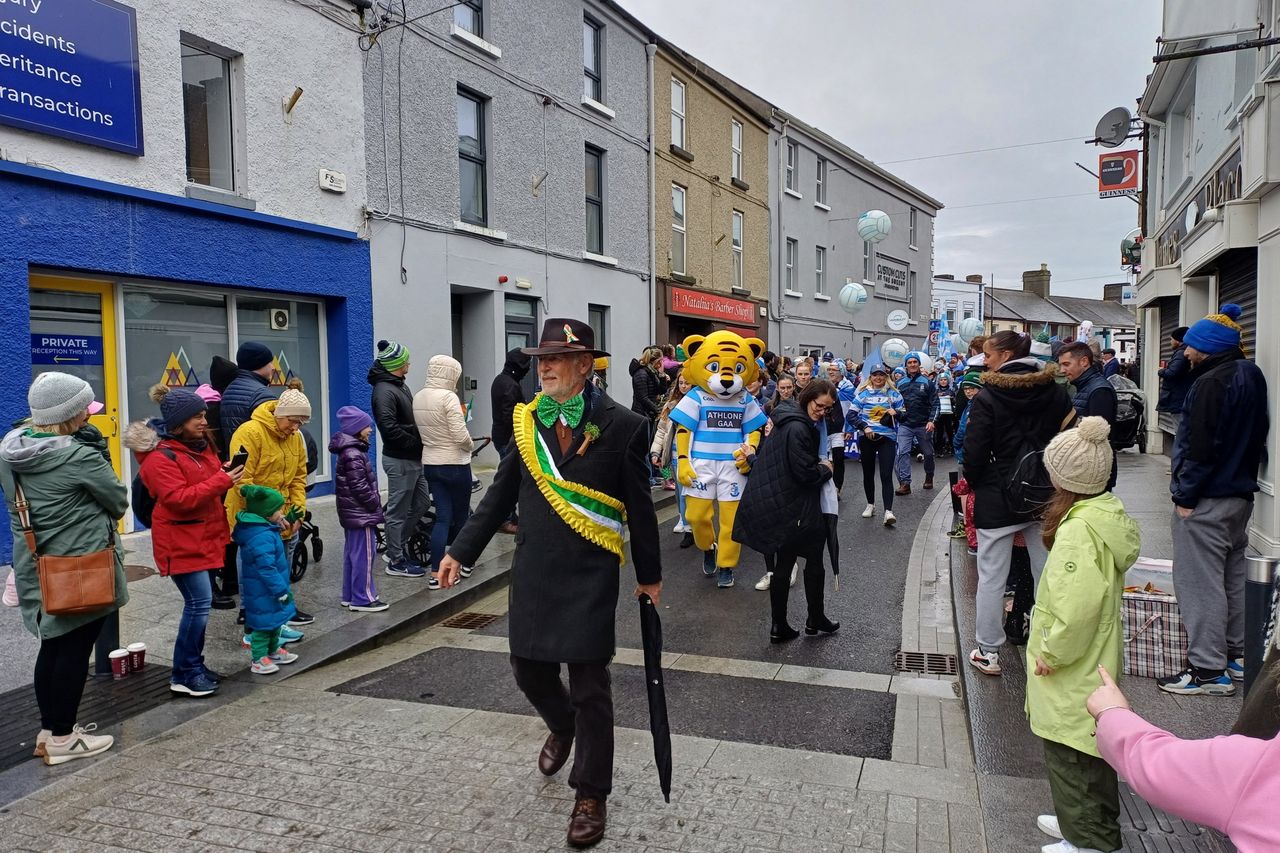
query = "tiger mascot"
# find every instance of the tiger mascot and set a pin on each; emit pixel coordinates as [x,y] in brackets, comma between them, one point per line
[713,421]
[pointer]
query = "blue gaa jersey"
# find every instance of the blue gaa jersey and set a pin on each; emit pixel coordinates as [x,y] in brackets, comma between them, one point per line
[719,427]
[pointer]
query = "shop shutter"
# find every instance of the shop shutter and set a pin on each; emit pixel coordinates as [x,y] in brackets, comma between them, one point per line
[1238,283]
[1169,306]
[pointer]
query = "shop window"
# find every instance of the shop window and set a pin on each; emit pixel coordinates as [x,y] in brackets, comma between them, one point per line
[208,116]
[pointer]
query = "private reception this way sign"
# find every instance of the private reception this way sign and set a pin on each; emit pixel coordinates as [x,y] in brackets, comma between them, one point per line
[69,68]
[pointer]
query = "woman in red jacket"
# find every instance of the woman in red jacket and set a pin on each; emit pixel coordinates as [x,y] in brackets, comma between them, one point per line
[182,472]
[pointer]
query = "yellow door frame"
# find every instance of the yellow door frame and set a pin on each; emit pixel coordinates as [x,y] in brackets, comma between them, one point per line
[108,420]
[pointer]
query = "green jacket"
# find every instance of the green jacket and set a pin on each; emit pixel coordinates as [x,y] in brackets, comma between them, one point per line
[75,500]
[1075,624]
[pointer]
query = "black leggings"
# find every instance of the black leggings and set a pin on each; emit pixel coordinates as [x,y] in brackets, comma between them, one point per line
[780,565]
[61,668]
[879,452]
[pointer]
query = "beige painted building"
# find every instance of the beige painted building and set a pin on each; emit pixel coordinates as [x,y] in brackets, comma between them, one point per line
[712,201]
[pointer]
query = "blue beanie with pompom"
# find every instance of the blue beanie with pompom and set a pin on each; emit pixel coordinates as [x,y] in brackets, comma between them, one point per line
[1216,333]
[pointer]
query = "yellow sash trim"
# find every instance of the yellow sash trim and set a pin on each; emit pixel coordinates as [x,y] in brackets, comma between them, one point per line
[525,433]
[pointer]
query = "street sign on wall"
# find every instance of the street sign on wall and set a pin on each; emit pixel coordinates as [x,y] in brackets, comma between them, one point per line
[66,349]
[69,68]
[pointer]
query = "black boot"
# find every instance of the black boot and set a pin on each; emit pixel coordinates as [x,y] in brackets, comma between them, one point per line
[779,630]
[686,541]
[815,581]
[782,633]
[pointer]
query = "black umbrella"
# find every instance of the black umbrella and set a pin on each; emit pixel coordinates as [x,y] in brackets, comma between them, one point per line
[833,547]
[651,641]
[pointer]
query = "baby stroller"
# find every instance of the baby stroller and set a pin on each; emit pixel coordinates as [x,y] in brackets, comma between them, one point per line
[308,531]
[1131,415]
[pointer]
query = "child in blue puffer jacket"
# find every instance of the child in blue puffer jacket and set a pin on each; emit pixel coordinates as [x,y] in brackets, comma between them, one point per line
[264,577]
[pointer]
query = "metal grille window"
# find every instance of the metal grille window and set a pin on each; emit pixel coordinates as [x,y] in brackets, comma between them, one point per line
[677,113]
[735,142]
[737,248]
[820,186]
[793,154]
[820,271]
[592,67]
[677,229]
[469,16]
[206,106]
[594,172]
[792,249]
[472,181]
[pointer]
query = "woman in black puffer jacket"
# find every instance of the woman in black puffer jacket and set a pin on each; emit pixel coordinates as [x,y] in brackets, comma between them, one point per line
[780,514]
[646,384]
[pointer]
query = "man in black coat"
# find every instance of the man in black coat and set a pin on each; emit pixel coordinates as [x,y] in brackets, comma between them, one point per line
[564,575]
[1175,378]
[505,393]
[407,494]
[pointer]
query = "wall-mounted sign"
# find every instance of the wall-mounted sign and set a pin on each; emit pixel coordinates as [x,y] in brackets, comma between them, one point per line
[897,320]
[695,303]
[66,349]
[1117,174]
[891,277]
[69,68]
[1222,186]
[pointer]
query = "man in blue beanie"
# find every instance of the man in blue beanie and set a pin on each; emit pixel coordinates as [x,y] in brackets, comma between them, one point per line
[1216,455]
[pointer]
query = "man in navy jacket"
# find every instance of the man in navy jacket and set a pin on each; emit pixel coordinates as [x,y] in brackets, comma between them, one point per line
[916,423]
[1216,455]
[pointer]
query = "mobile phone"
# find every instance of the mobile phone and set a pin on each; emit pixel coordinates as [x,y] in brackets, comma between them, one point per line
[239,460]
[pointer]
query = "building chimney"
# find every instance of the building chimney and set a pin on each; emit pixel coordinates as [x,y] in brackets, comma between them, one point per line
[947,276]
[975,279]
[1037,281]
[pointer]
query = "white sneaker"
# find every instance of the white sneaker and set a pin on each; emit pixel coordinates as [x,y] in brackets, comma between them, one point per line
[79,744]
[870,511]
[988,662]
[263,666]
[1065,846]
[1048,824]
[763,583]
[282,655]
[794,571]
[889,518]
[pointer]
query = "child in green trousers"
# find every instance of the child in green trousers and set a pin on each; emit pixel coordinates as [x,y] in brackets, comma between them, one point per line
[264,577]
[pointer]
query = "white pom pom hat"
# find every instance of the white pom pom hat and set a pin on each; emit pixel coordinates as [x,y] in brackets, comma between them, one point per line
[1079,460]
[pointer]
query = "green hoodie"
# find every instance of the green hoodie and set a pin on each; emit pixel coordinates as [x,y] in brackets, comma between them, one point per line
[1075,625]
[75,500]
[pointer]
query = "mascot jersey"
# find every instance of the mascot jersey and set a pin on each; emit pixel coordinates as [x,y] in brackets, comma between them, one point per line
[719,427]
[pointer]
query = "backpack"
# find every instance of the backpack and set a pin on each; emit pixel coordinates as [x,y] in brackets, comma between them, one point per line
[140,498]
[1028,487]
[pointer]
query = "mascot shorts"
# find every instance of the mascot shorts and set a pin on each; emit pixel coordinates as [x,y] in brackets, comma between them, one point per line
[716,480]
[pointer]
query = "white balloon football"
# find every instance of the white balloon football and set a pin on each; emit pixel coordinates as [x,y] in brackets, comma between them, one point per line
[893,352]
[968,329]
[873,226]
[852,297]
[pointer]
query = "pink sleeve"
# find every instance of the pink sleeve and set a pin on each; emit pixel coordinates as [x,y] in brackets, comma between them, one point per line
[1200,780]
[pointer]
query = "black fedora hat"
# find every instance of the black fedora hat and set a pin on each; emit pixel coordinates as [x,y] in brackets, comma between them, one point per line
[563,336]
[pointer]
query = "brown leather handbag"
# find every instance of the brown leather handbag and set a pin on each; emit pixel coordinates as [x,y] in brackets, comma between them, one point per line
[70,585]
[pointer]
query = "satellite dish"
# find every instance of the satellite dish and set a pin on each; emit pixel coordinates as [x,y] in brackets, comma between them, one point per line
[1113,128]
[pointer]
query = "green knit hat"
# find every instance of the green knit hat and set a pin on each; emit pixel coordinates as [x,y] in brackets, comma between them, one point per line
[262,501]
[972,379]
[392,355]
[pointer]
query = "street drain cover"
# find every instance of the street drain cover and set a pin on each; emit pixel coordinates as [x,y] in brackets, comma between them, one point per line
[470,619]
[133,572]
[932,663]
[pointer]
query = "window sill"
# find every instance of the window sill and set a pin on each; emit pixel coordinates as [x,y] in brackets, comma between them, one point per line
[822,206]
[792,193]
[683,279]
[472,40]
[914,248]
[200,192]
[479,230]
[740,184]
[797,294]
[599,259]
[687,156]
[822,297]
[595,106]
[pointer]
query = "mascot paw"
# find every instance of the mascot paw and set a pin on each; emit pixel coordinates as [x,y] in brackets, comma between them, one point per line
[743,464]
[685,474]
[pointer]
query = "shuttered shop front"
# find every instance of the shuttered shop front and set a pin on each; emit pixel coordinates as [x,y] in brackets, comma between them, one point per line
[1168,322]
[1238,283]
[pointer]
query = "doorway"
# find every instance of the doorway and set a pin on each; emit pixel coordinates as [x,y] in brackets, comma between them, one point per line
[73,330]
[521,323]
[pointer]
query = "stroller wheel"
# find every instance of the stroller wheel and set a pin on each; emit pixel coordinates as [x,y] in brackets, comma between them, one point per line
[317,547]
[380,539]
[299,566]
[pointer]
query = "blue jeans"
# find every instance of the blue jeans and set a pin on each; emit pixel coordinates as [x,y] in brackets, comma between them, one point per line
[451,493]
[905,435]
[188,647]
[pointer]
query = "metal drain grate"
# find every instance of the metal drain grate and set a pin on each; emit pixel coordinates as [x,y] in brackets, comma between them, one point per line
[470,619]
[931,663]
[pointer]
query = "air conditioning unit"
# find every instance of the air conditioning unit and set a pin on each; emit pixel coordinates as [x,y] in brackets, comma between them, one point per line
[279,319]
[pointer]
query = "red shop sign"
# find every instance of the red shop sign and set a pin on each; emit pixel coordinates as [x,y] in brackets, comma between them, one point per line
[722,308]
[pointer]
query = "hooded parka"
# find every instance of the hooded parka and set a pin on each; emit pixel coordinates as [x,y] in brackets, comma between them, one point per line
[437,411]
[1075,624]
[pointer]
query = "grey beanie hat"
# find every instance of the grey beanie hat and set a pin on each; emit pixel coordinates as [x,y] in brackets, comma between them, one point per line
[58,397]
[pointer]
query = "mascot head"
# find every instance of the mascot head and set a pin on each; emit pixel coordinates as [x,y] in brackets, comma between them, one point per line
[722,363]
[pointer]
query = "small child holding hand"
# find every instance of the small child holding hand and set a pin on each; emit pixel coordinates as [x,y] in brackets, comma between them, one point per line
[264,577]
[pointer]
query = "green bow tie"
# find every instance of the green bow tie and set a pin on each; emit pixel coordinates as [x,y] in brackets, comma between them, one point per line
[572,410]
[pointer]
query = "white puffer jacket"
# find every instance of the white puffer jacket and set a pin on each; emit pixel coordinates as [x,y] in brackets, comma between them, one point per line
[439,416]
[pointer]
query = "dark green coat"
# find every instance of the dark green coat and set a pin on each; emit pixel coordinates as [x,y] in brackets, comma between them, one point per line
[75,499]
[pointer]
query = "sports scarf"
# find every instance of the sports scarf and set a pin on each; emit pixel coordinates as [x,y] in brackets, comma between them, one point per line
[590,513]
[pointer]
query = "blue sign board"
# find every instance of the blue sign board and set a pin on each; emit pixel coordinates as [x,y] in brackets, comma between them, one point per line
[54,348]
[70,68]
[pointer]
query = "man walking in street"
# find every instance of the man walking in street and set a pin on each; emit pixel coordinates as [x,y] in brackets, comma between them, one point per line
[407,494]
[1110,364]
[1094,395]
[580,475]
[915,424]
[1175,378]
[505,394]
[1216,455]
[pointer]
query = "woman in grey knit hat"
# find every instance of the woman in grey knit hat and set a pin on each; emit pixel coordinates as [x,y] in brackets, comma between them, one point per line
[75,500]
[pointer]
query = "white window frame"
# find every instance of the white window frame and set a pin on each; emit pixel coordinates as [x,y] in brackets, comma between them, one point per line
[790,259]
[866,261]
[820,181]
[678,115]
[911,230]
[820,271]
[235,95]
[735,147]
[793,156]
[680,228]
[736,246]
[596,74]
[911,292]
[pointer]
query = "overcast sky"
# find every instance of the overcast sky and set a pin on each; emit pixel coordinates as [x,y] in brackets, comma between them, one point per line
[897,79]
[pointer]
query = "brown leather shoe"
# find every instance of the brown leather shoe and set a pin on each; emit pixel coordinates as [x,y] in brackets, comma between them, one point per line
[904,489]
[928,482]
[555,752]
[508,528]
[586,827]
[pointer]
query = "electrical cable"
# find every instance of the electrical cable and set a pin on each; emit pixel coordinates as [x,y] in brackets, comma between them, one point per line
[981,150]
[1017,201]
[367,41]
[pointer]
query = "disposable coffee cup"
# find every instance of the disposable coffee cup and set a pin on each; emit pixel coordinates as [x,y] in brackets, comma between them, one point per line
[119,663]
[137,656]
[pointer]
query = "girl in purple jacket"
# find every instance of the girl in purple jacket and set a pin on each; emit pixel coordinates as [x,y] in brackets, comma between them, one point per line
[359,509]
